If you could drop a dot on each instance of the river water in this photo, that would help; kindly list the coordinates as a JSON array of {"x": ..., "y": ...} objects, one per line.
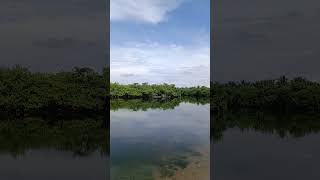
[
  {"x": 264, "y": 146},
  {"x": 154, "y": 140},
  {"x": 34, "y": 149}
]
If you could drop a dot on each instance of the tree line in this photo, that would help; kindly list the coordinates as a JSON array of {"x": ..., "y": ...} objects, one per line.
[
  {"x": 24, "y": 93},
  {"x": 160, "y": 91},
  {"x": 297, "y": 94},
  {"x": 86, "y": 90}
]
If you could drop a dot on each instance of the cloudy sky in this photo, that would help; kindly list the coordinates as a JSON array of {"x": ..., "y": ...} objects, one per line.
[
  {"x": 46, "y": 35},
  {"x": 160, "y": 41},
  {"x": 254, "y": 40},
  {"x": 165, "y": 39}
]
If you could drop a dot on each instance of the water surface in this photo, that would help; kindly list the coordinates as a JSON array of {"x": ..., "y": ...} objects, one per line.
[
  {"x": 57, "y": 150},
  {"x": 264, "y": 146},
  {"x": 159, "y": 140}
]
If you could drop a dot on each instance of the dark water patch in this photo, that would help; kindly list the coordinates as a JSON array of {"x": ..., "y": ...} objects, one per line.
[
  {"x": 81, "y": 137},
  {"x": 249, "y": 146},
  {"x": 33, "y": 148},
  {"x": 281, "y": 124}
]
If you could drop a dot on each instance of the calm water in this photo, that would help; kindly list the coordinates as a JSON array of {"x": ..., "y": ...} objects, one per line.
[
  {"x": 152, "y": 140},
  {"x": 250, "y": 146},
  {"x": 37, "y": 150}
]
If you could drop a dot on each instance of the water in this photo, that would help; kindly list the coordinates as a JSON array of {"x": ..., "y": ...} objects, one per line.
[
  {"x": 250, "y": 146},
  {"x": 159, "y": 140},
  {"x": 57, "y": 150}
]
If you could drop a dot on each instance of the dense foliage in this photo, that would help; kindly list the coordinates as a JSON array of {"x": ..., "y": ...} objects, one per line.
[
  {"x": 281, "y": 94},
  {"x": 85, "y": 90},
  {"x": 81, "y": 90},
  {"x": 148, "y": 91},
  {"x": 23, "y": 92}
]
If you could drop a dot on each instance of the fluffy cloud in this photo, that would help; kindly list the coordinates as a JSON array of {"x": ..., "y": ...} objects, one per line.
[
  {"x": 148, "y": 11},
  {"x": 160, "y": 63}
]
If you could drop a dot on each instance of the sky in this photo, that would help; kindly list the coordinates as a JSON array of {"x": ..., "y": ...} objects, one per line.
[
  {"x": 251, "y": 39},
  {"x": 160, "y": 41},
  {"x": 50, "y": 36},
  {"x": 263, "y": 39}
]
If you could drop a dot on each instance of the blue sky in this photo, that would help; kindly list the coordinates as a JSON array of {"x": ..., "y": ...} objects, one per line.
[{"x": 160, "y": 41}]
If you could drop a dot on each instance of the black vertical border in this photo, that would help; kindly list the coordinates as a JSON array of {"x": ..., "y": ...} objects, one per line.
[{"x": 211, "y": 81}]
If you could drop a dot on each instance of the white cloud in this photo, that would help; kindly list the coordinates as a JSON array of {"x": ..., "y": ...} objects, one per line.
[
  {"x": 148, "y": 11},
  {"x": 161, "y": 63}
]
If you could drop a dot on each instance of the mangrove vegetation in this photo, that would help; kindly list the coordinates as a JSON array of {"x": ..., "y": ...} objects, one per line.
[
  {"x": 86, "y": 91},
  {"x": 297, "y": 94},
  {"x": 23, "y": 93},
  {"x": 82, "y": 90},
  {"x": 156, "y": 91}
]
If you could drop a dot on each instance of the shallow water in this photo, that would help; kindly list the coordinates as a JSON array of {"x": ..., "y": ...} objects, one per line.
[
  {"x": 150, "y": 141},
  {"x": 273, "y": 147}
]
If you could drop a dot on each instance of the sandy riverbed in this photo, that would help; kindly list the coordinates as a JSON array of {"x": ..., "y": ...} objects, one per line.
[{"x": 198, "y": 168}]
